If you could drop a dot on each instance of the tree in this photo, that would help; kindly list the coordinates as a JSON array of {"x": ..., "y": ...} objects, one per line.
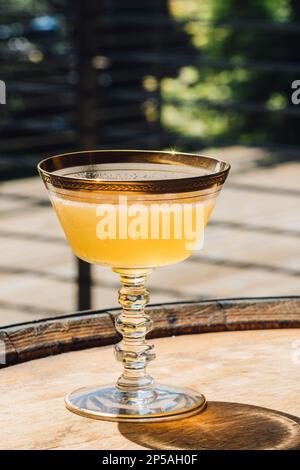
[{"x": 240, "y": 85}]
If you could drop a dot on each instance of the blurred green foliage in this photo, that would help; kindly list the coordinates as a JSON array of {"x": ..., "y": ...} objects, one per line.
[
  {"x": 235, "y": 90},
  {"x": 239, "y": 86}
]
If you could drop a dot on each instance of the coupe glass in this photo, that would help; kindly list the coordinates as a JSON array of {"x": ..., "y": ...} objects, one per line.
[{"x": 133, "y": 210}]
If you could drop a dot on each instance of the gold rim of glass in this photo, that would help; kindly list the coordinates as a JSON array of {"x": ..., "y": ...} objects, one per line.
[{"x": 217, "y": 171}]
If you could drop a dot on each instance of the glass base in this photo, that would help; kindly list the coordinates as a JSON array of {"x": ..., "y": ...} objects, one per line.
[{"x": 163, "y": 403}]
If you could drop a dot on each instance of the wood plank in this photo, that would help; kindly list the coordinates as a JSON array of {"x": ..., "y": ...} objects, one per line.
[
  {"x": 43, "y": 338},
  {"x": 244, "y": 411},
  {"x": 96, "y": 328}
]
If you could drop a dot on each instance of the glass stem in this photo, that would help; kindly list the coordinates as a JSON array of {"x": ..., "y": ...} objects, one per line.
[{"x": 133, "y": 324}]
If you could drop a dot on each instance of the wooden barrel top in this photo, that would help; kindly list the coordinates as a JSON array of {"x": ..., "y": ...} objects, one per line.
[{"x": 248, "y": 366}]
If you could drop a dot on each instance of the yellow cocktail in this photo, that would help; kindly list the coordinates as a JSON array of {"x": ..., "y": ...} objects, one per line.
[
  {"x": 130, "y": 234},
  {"x": 134, "y": 211}
]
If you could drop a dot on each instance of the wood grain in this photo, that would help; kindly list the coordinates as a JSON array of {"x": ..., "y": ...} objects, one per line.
[
  {"x": 250, "y": 378},
  {"x": 83, "y": 330}
]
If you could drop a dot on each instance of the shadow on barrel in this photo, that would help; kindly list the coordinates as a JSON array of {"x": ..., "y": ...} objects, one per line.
[{"x": 222, "y": 426}]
